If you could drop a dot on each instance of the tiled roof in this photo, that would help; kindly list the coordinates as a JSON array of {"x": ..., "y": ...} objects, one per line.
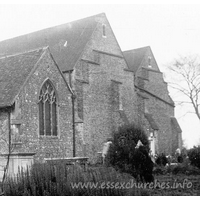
[
  {"x": 66, "y": 42},
  {"x": 175, "y": 125},
  {"x": 14, "y": 70},
  {"x": 151, "y": 121},
  {"x": 135, "y": 57}
]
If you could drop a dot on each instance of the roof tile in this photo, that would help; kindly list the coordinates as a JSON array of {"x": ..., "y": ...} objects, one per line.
[
  {"x": 66, "y": 41},
  {"x": 135, "y": 57},
  {"x": 14, "y": 70}
]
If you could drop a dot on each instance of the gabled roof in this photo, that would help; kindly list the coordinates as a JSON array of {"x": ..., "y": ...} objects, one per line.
[
  {"x": 175, "y": 125},
  {"x": 151, "y": 121},
  {"x": 66, "y": 42},
  {"x": 135, "y": 57},
  {"x": 14, "y": 71}
]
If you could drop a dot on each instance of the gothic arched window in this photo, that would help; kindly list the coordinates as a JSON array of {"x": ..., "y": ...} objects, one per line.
[{"x": 47, "y": 110}]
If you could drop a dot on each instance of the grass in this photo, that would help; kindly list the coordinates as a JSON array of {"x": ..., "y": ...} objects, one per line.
[
  {"x": 177, "y": 186},
  {"x": 45, "y": 180}
]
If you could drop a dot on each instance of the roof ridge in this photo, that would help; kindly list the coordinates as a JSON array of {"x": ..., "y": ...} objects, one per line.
[
  {"x": 137, "y": 49},
  {"x": 25, "y": 52},
  {"x": 78, "y": 20}
]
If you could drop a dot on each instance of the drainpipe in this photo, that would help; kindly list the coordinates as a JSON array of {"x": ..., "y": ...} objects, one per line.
[
  {"x": 73, "y": 125},
  {"x": 73, "y": 96},
  {"x": 73, "y": 115},
  {"x": 9, "y": 128}
]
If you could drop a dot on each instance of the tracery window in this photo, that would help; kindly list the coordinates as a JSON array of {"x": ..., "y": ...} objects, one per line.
[{"x": 47, "y": 110}]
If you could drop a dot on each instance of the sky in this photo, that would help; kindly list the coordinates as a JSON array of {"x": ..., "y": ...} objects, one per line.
[{"x": 169, "y": 29}]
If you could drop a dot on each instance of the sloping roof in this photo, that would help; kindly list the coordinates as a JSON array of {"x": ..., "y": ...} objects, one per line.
[
  {"x": 14, "y": 71},
  {"x": 66, "y": 42},
  {"x": 151, "y": 121},
  {"x": 135, "y": 57},
  {"x": 175, "y": 125}
]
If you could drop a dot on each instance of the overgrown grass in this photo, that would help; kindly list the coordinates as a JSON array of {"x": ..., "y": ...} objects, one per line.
[{"x": 46, "y": 180}]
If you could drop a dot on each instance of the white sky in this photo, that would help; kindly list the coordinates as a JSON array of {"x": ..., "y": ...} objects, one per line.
[{"x": 168, "y": 28}]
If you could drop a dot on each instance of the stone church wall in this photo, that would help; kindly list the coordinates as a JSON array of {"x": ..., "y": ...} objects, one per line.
[{"x": 28, "y": 112}]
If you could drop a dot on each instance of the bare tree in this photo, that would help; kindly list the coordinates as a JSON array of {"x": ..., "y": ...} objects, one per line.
[{"x": 185, "y": 79}]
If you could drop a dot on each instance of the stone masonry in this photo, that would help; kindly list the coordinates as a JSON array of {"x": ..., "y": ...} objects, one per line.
[
  {"x": 25, "y": 114},
  {"x": 108, "y": 91}
]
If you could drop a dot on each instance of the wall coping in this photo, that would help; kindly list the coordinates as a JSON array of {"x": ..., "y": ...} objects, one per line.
[
  {"x": 18, "y": 154},
  {"x": 67, "y": 159},
  {"x": 108, "y": 53}
]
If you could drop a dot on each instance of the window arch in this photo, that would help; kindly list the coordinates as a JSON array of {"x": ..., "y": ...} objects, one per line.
[{"x": 47, "y": 110}]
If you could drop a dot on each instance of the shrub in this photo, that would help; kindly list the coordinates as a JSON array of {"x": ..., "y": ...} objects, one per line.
[
  {"x": 161, "y": 160},
  {"x": 183, "y": 168},
  {"x": 124, "y": 156},
  {"x": 159, "y": 170},
  {"x": 194, "y": 156},
  {"x": 177, "y": 168},
  {"x": 180, "y": 159}
]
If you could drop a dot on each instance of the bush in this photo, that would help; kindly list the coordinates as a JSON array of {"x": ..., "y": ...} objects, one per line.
[
  {"x": 177, "y": 168},
  {"x": 194, "y": 156},
  {"x": 124, "y": 156},
  {"x": 159, "y": 170},
  {"x": 183, "y": 168},
  {"x": 161, "y": 160}
]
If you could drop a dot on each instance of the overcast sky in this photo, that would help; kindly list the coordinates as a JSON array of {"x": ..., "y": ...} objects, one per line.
[{"x": 169, "y": 29}]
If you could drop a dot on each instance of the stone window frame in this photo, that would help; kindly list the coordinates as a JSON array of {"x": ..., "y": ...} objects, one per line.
[{"x": 55, "y": 100}]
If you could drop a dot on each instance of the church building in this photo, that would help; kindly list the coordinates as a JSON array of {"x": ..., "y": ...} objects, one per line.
[{"x": 64, "y": 89}]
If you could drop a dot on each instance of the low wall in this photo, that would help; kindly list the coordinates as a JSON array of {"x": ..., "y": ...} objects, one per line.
[{"x": 16, "y": 161}]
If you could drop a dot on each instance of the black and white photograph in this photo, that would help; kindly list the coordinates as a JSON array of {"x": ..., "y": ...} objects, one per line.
[{"x": 99, "y": 98}]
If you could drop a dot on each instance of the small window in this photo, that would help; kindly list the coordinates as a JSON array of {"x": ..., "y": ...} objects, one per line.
[
  {"x": 65, "y": 44},
  {"x": 104, "y": 30},
  {"x": 116, "y": 95},
  {"x": 149, "y": 62},
  {"x": 15, "y": 130},
  {"x": 47, "y": 110}
]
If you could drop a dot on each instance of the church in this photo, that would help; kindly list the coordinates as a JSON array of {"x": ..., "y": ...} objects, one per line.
[{"x": 64, "y": 89}]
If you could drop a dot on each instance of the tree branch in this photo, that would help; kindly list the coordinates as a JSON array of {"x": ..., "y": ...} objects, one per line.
[{"x": 187, "y": 71}]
